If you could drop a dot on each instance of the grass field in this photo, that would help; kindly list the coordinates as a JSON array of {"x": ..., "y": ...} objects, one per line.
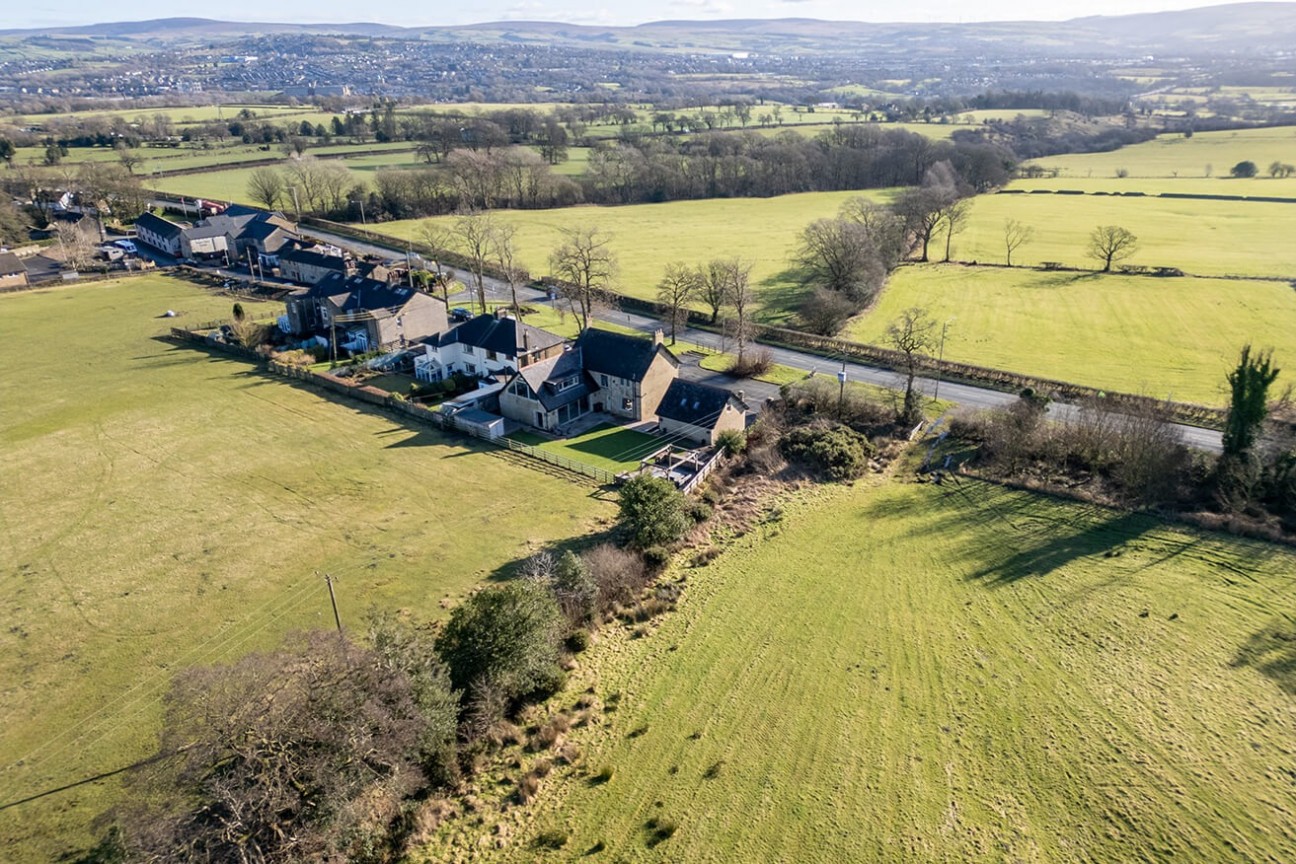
[
  {"x": 1209, "y": 238},
  {"x": 164, "y": 507},
  {"x": 921, "y": 673},
  {"x": 1167, "y": 337},
  {"x": 647, "y": 236},
  {"x": 1257, "y": 186},
  {"x": 1177, "y": 156}
]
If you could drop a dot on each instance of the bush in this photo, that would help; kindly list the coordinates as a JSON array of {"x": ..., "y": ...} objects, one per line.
[
  {"x": 577, "y": 641},
  {"x": 619, "y": 574},
  {"x": 656, "y": 557},
  {"x": 835, "y": 451},
  {"x": 732, "y": 442},
  {"x": 826, "y": 312},
  {"x": 552, "y": 838},
  {"x": 653, "y": 511},
  {"x": 753, "y": 364},
  {"x": 699, "y": 511},
  {"x": 574, "y": 588},
  {"x": 506, "y": 635}
]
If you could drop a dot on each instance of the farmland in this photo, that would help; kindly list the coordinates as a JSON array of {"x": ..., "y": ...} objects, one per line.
[
  {"x": 165, "y": 507},
  {"x": 647, "y": 236},
  {"x": 1171, "y": 337},
  {"x": 1208, "y": 238},
  {"x": 1176, "y": 156},
  {"x": 900, "y": 672}
]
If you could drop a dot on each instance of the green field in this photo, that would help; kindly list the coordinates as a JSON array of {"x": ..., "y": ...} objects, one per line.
[
  {"x": 165, "y": 507},
  {"x": 1169, "y": 338},
  {"x": 1209, "y": 238},
  {"x": 921, "y": 673},
  {"x": 1266, "y": 186},
  {"x": 647, "y": 236},
  {"x": 1177, "y": 156}
]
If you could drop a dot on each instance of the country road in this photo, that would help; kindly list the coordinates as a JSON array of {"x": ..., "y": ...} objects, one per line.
[{"x": 967, "y": 395}]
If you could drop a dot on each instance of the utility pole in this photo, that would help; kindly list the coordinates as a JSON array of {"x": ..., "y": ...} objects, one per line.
[
  {"x": 296, "y": 204},
  {"x": 328, "y": 580},
  {"x": 940, "y": 360},
  {"x": 362, "y": 216},
  {"x": 841, "y": 393}
]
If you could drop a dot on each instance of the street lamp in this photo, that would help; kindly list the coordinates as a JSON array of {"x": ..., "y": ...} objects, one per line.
[{"x": 841, "y": 395}]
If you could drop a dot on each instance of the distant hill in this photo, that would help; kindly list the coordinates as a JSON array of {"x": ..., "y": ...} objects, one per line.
[{"x": 1245, "y": 28}]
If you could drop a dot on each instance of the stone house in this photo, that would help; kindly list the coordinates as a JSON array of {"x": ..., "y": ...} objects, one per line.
[
  {"x": 309, "y": 266},
  {"x": 13, "y": 273},
  {"x": 700, "y": 412},
  {"x": 158, "y": 233},
  {"x": 360, "y": 315},
  {"x": 548, "y": 394},
  {"x": 630, "y": 373}
]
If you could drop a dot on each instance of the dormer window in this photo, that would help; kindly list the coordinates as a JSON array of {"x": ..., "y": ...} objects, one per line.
[{"x": 568, "y": 382}]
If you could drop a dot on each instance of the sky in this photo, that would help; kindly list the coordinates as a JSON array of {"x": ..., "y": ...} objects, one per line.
[{"x": 412, "y": 13}]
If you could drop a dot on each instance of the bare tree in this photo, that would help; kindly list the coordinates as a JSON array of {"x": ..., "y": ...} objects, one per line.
[
  {"x": 1111, "y": 243},
  {"x": 955, "y": 221},
  {"x": 679, "y": 285},
  {"x": 266, "y": 186},
  {"x": 586, "y": 264},
  {"x": 841, "y": 256},
  {"x": 1016, "y": 234},
  {"x": 714, "y": 291},
  {"x": 734, "y": 278},
  {"x": 912, "y": 334},
  {"x": 923, "y": 211},
  {"x": 76, "y": 245},
  {"x": 475, "y": 232},
  {"x": 505, "y": 251},
  {"x": 128, "y": 157}
]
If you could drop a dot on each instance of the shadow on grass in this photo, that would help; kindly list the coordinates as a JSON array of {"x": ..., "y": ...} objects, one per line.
[
  {"x": 1272, "y": 653},
  {"x": 1040, "y": 556},
  {"x": 624, "y": 446},
  {"x": 1053, "y": 281},
  {"x": 782, "y": 295}
]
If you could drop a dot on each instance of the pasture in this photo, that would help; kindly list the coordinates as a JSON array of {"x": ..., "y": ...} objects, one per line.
[
  {"x": 920, "y": 673},
  {"x": 1205, "y": 154},
  {"x": 166, "y": 507},
  {"x": 1203, "y": 237},
  {"x": 1167, "y": 337},
  {"x": 647, "y": 236}
]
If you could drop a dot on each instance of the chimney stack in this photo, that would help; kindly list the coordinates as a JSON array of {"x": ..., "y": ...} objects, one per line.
[{"x": 658, "y": 336}]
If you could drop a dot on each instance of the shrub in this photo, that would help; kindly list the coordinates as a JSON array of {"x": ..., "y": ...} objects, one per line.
[
  {"x": 603, "y": 775},
  {"x": 732, "y": 442},
  {"x": 653, "y": 511},
  {"x": 835, "y": 451},
  {"x": 552, "y": 838},
  {"x": 507, "y": 635},
  {"x": 699, "y": 511},
  {"x": 753, "y": 364},
  {"x": 656, "y": 557},
  {"x": 577, "y": 641},
  {"x": 619, "y": 574},
  {"x": 826, "y": 312}
]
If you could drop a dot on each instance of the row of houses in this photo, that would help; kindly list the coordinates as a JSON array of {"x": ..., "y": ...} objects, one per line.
[{"x": 529, "y": 375}]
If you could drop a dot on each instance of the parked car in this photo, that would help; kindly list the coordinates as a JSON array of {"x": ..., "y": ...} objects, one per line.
[
  {"x": 110, "y": 253},
  {"x": 127, "y": 246},
  {"x": 461, "y": 313}
]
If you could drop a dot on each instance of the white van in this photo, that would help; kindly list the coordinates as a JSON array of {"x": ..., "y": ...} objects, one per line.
[{"x": 127, "y": 246}]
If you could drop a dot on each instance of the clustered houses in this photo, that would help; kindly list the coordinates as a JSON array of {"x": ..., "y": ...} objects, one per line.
[
  {"x": 359, "y": 314},
  {"x": 485, "y": 346},
  {"x": 240, "y": 233}
]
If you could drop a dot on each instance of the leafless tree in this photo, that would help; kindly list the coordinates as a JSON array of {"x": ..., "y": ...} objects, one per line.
[
  {"x": 956, "y": 215},
  {"x": 127, "y": 157},
  {"x": 679, "y": 285},
  {"x": 77, "y": 245},
  {"x": 841, "y": 256},
  {"x": 714, "y": 290},
  {"x": 474, "y": 232},
  {"x": 735, "y": 274},
  {"x": 913, "y": 334},
  {"x": 1111, "y": 243},
  {"x": 1016, "y": 234},
  {"x": 504, "y": 248},
  {"x": 587, "y": 266},
  {"x": 266, "y": 187}
]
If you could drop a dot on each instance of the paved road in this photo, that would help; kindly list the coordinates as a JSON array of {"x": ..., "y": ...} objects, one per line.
[{"x": 963, "y": 394}]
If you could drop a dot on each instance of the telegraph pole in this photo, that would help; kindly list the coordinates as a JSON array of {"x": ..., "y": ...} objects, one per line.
[{"x": 328, "y": 580}]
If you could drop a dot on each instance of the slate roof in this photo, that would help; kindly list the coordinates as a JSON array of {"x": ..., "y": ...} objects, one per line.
[
  {"x": 694, "y": 403},
  {"x": 158, "y": 225},
  {"x": 11, "y": 264},
  {"x": 543, "y": 378},
  {"x": 208, "y": 229},
  {"x": 501, "y": 335},
  {"x": 617, "y": 354},
  {"x": 360, "y": 294},
  {"x": 315, "y": 259}
]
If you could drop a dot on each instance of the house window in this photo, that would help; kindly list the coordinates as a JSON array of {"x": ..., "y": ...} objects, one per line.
[
  {"x": 472, "y": 370},
  {"x": 602, "y": 380},
  {"x": 627, "y": 404},
  {"x": 520, "y": 388},
  {"x": 568, "y": 383},
  {"x": 490, "y": 355}
]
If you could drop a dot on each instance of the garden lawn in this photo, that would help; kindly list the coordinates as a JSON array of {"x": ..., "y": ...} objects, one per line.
[
  {"x": 165, "y": 507},
  {"x": 646, "y": 237},
  {"x": 1169, "y": 338},
  {"x": 612, "y": 448},
  {"x": 919, "y": 673}
]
